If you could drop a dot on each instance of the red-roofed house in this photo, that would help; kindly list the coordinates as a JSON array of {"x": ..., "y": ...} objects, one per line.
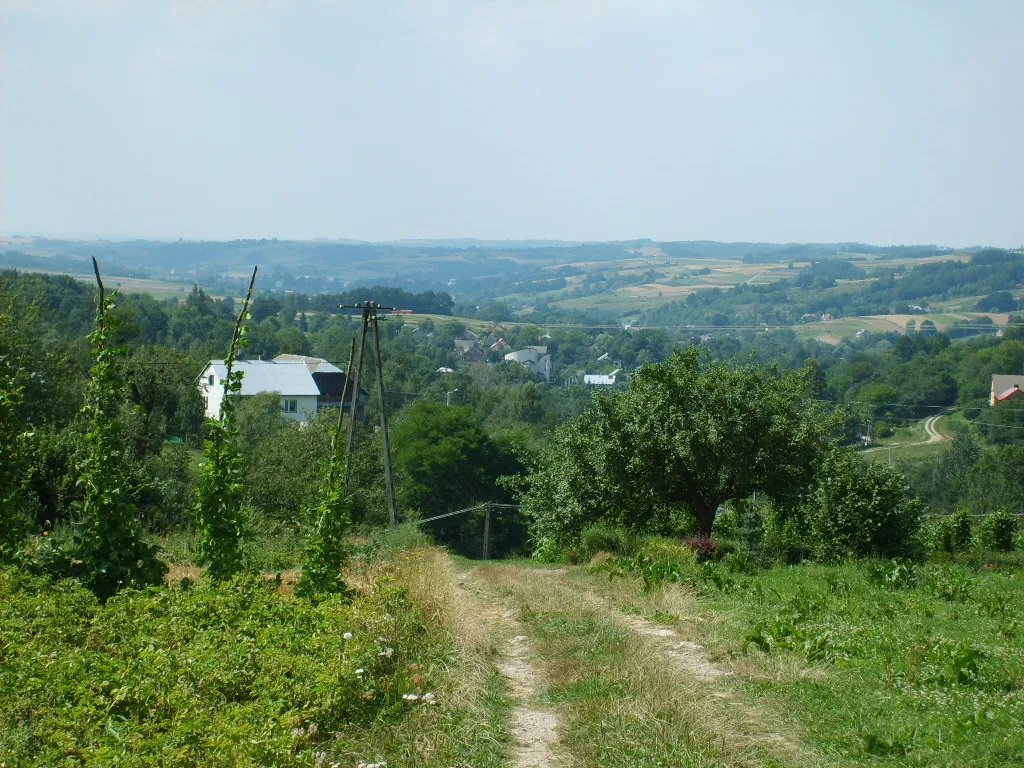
[{"x": 1006, "y": 387}]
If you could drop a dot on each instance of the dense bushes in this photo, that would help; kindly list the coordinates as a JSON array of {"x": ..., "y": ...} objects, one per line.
[
  {"x": 998, "y": 531},
  {"x": 214, "y": 674},
  {"x": 860, "y": 508}
]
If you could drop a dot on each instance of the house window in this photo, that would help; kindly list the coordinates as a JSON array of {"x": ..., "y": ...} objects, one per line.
[
  {"x": 210, "y": 379},
  {"x": 290, "y": 406}
]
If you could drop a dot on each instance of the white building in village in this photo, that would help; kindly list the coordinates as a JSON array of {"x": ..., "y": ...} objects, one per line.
[
  {"x": 535, "y": 359},
  {"x": 601, "y": 379},
  {"x": 305, "y": 384}
]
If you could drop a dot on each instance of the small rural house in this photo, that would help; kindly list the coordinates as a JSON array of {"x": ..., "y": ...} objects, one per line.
[
  {"x": 1006, "y": 387},
  {"x": 306, "y": 385},
  {"x": 534, "y": 359},
  {"x": 600, "y": 379}
]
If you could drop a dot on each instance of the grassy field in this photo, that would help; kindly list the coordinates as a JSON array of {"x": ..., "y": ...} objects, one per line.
[
  {"x": 872, "y": 664},
  {"x": 159, "y": 289},
  {"x": 913, "y": 442},
  {"x": 832, "y": 331}
]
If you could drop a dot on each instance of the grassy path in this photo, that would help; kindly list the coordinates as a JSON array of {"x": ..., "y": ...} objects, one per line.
[
  {"x": 618, "y": 689},
  {"x": 533, "y": 725}
]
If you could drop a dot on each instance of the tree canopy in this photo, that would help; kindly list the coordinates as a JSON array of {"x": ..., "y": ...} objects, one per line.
[{"x": 687, "y": 435}]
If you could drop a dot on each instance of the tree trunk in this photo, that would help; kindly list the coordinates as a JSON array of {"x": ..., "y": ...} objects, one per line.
[{"x": 705, "y": 516}]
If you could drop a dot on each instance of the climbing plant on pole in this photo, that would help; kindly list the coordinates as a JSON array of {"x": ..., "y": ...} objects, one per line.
[
  {"x": 107, "y": 552},
  {"x": 221, "y": 497},
  {"x": 329, "y": 519}
]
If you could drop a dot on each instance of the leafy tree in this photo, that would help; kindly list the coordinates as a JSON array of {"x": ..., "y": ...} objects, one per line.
[
  {"x": 860, "y": 508},
  {"x": 1000, "y": 301},
  {"x": 444, "y": 461},
  {"x": 954, "y": 467},
  {"x": 282, "y": 468},
  {"x": 162, "y": 385},
  {"x": 688, "y": 434},
  {"x": 997, "y": 481}
]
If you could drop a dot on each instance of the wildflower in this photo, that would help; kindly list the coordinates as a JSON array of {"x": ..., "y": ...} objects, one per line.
[
  {"x": 411, "y": 696},
  {"x": 429, "y": 698},
  {"x": 387, "y": 652},
  {"x": 347, "y": 635},
  {"x": 360, "y": 671}
]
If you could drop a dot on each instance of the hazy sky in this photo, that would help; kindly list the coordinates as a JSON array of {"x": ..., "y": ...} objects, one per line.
[{"x": 884, "y": 122}]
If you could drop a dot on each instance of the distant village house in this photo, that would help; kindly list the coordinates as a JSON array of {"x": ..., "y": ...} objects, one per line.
[
  {"x": 306, "y": 385},
  {"x": 601, "y": 379},
  {"x": 534, "y": 359},
  {"x": 1006, "y": 387}
]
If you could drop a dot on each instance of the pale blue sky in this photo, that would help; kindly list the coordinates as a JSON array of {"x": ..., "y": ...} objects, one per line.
[{"x": 885, "y": 122}]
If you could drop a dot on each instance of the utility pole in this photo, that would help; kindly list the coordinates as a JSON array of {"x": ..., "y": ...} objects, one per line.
[
  {"x": 368, "y": 311},
  {"x": 353, "y": 376},
  {"x": 388, "y": 478},
  {"x": 448, "y": 397}
]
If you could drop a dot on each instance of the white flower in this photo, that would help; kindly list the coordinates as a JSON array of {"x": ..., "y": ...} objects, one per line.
[
  {"x": 387, "y": 652},
  {"x": 429, "y": 698},
  {"x": 347, "y": 635},
  {"x": 360, "y": 671},
  {"x": 410, "y": 696}
]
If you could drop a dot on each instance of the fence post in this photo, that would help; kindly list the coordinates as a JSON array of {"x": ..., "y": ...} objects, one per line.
[{"x": 487, "y": 529}]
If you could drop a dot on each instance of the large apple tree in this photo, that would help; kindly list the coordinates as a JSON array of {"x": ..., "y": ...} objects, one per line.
[{"x": 688, "y": 434}]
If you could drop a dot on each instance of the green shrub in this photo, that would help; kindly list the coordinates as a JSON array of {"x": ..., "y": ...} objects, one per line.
[
  {"x": 860, "y": 508},
  {"x": 727, "y": 525},
  {"x": 602, "y": 537},
  {"x": 998, "y": 531},
  {"x": 407, "y": 535},
  {"x": 956, "y": 535},
  {"x": 786, "y": 534},
  {"x": 667, "y": 550}
]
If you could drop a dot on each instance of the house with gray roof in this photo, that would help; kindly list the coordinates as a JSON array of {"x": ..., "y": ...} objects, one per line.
[{"x": 306, "y": 385}]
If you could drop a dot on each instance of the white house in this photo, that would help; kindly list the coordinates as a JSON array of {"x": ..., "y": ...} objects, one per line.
[
  {"x": 600, "y": 379},
  {"x": 292, "y": 379},
  {"x": 535, "y": 359}
]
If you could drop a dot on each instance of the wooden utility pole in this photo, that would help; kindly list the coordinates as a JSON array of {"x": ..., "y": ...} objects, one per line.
[
  {"x": 353, "y": 376},
  {"x": 386, "y": 444},
  {"x": 369, "y": 323}
]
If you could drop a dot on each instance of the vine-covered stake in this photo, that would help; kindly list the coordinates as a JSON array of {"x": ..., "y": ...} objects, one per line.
[
  {"x": 330, "y": 517},
  {"x": 107, "y": 551},
  {"x": 219, "y": 508}
]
